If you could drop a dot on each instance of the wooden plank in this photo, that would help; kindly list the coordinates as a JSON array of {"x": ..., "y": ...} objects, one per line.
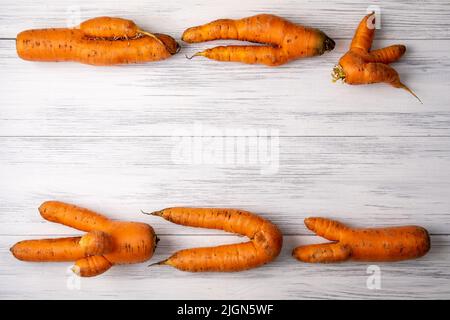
[
  {"x": 365, "y": 181},
  {"x": 118, "y": 140},
  {"x": 286, "y": 278},
  {"x": 51, "y": 99},
  {"x": 403, "y": 19}
]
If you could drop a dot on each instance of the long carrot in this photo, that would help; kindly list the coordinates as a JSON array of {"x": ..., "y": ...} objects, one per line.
[
  {"x": 375, "y": 244},
  {"x": 264, "y": 245},
  {"x": 282, "y": 40},
  {"x": 63, "y": 249},
  {"x": 361, "y": 65},
  {"x": 107, "y": 242},
  {"x": 98, "y": 41}
]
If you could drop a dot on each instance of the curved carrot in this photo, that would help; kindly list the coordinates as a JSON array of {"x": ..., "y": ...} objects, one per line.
[
  {"x": 360, "y": 65},
  {"x": 374, "y": 244},
  {"x": 264, "y": 245},
  {"x": 73, "y": 216},
  {"x": 283, "y": 41},
  {"x": 117, "y": 242}
]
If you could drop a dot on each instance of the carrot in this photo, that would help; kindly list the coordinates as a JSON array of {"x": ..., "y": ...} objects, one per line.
[
  {"x": 98, "y": 41},
  {"x": 374, "y": 244},
  {"x": 107, "y": 242},
  {"x": 361, "y": 65},
  {"x": 264, "y": 245},
  {"x": 64, "y": 249},
  {"x": 282, "y": 40},
  {"x": 91, "y": 266},
  {"x": 109, "y": 27}
]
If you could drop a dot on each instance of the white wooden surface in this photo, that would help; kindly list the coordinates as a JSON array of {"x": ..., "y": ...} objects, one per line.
[{"x": 109, "y": 139}]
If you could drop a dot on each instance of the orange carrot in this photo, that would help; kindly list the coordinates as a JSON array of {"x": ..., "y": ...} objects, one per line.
[
  {"x": 109, "y": 27},
  {"x": 98, "y": 41},
  {"x": 361, "y": 65},
  {"x": 264, "y": 245},
  {"x": 107, "y": 243},
  {"x": 376, "y": 244},
  {"x": 282, "y": 40},
  {"x": 91, "y": 266}
]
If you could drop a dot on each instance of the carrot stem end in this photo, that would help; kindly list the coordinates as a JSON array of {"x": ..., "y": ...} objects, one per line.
[{"x": 338, "y": 73}]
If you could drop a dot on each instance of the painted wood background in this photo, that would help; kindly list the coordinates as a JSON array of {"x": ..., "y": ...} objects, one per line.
[{"x": 283, "y": 142}]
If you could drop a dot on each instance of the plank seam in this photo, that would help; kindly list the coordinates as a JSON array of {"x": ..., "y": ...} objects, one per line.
[{"x": 230, "y": 136}]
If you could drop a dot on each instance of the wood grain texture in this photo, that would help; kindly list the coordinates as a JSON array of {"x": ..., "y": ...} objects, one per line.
[
  {"x": 402, "y": 19},
  {"x": 368, "y": 180},
  {"x": 121, "y": 139},
  {"x": 285, "y": 278},
  {"x": 168, "y": 98}
]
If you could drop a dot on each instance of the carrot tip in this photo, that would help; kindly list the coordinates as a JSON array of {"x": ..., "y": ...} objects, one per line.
[
  {"x": 159, "y": 263},
  {"x": 178, "y": 49},
  {"x": 410, "y": 91},
  {"x": 197, "y": 54},
  {"x": 158, "y": 213}
]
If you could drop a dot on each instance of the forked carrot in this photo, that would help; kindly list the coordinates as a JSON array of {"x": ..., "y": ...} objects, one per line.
[
  {"x": 361, "y": 65},
  {"x": 107, "y": 242},
  {"x": 281, "y": 40},
  {"x": 98, "y": 41},
  {"x": 374, "y": 244}
]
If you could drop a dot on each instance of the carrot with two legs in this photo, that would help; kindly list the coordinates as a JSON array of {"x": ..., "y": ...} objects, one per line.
[
  {"x": 361, "y": 65},
  {"x": 106, "y": 243}
]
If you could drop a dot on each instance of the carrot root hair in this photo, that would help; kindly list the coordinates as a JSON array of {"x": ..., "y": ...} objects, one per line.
[
  {"x": 401, "y": 85},
  {"x": 197, "y": 54},
  {"x": 151, "y": 35},
  {"x": 158, "y": 213},
  {"x": 159, "y": 263}
]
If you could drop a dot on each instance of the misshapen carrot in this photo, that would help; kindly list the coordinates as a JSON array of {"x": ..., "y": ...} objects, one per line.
[
  {"x": 283, "y": 41},
  {"x": 264, "y": 245},
  {"x": 98, "y": 41},
  {"x": 361, "y": 65},
  {"x": 375, "y": 244},
  {"x": 107, "y": 242}
]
